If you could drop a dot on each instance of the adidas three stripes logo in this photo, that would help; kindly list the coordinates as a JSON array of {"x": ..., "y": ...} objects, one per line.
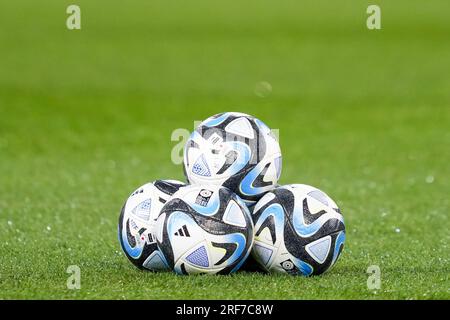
[{"x": 183, "y": 232}]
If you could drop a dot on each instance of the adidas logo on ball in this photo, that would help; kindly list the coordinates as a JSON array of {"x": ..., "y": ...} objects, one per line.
[{"x": 183, "y": 232}]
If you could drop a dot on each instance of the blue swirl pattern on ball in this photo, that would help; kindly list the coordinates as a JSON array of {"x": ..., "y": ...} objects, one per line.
[
  {"x": 205, "y": 229},
  {"x": 234, "y": 150},
  {"x": 299, "y": 230},
  {"x": 137, "y": 221}
]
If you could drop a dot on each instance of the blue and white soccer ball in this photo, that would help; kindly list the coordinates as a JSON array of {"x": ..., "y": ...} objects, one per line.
[
  {"x": 299, "y": 230},
  {"x": 234, "y": 150},
  {"x": 137, "y": 221},
  {"x": 205, "y": 229}
]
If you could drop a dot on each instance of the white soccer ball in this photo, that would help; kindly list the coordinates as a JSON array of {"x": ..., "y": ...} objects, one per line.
[
  {"x": 205, "y": 229},
  {"x": 137, "y": 222},
  {"x": 299, "y": 230},
  {"x": 234, "y": 150}
]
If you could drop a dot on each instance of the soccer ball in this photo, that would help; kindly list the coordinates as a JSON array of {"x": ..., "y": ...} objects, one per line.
[
  {"x": 137, "y": 221},
  {"x": 234, "y": 150},
  {"x": 204, "y": 229},
  {"x": 299, "y": 230}
]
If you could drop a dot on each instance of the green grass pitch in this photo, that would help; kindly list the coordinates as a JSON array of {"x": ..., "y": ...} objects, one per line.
[{"x": 87, "y": 115}]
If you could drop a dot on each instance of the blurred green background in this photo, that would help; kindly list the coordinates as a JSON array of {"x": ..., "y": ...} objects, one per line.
[{"x": 86, "y": 116}]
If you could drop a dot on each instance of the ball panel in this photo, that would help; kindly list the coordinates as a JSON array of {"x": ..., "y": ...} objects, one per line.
[
  {"x": 219, "y": 226},
  {"x": 137, "y": 223},
  {"x": 309, "y": 232},
  {"x": 183, "y": 233},
  {"x": 240, "y": 127},
  {"x": 131, "y": 242}
]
